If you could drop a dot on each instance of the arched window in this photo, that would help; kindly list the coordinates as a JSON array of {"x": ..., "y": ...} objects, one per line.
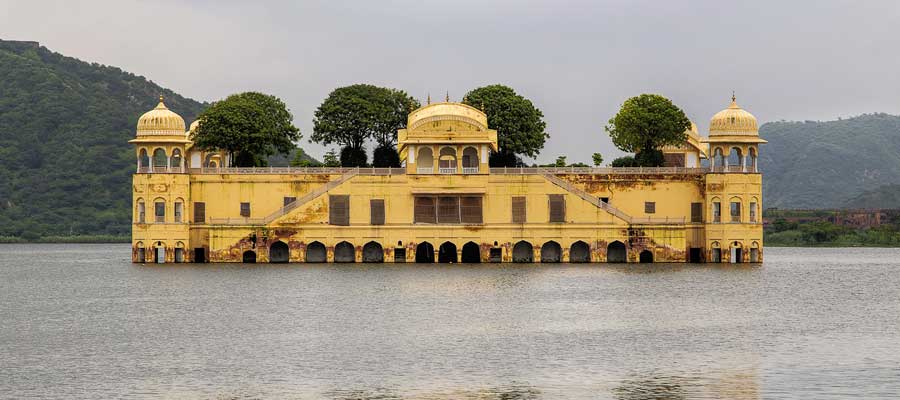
[
  {"x": 751, "y": 160},
  {"x": 470, "y": 160},
  {"x": 735, "y": 209},
  {"x": 734, "y": 159},
  {"x": 447, "y": 160},
  {"x": 160, "y": 160},
  {"x": 159, "y": 210},
  {"x": 178, "y": 211},
  {"x": 143, "y": 161},
  {"x": 718, "y": 158},
  {"x": 141, "y": 252},
  {"x": 179, "y": 252},
  {"x": 176, "y": 160},
  {"x": 141, "y": 212},
  {"x": 425, "y": 161},
  {"x": 716, "y": 255},
  {"x": 716, "y": 210},
  {"x": 753, "y": 209},
  {"x": 754, "y": 252}
]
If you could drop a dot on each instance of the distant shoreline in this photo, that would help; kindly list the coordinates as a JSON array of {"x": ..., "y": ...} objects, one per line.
[{"x": 85, "y": 239}]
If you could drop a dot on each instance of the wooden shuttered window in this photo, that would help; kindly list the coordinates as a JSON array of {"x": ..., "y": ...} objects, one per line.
[
  {"x": 518, "y": 209},
  {"x": 557, "y": 208},
  {"x": 245, "y": 210},
  {"x": 199, "y": 212},
  {"x": 376, "y": 210},
  {"x": 339, "y": 210},
  {"x": 425, "y": 212},
  {"x": 696, "y": 212},
  {"x": 470, "y": 209},
  {"x": 650, "y": 207},
  {"x": 448, "y": 210}
]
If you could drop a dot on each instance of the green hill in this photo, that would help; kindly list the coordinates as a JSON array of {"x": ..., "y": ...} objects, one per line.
[
  {"x": 887, "y": 196},
  {"x": 826, "y": 164},
  {"x": 65, "y": 161}
]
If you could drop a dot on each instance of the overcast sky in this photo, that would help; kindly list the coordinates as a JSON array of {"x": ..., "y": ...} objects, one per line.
[{"x": 576, "y": 60}]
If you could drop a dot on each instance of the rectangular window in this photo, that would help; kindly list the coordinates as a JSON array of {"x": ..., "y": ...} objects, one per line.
[
  {"x": 696, "y": 212},
  {"x": 289, "y": 200},
  {"x": 752, "y": 211},
  {"x": 142, "y": 213},
  {"x": 160, "y": 211},
  {"x": 376, "y": 211},
  {"x": 650, "y": 207},
  {"x": 735, "y": 211},
  {"x": 179, "y": 211},
  {"x": 557, "y": 208},
  {"x": 518, "y": 209},
  {"x": 717, "y": 211},
  {"x": 199, "y": 212},
  {"x": 245, "y": 210},
  {"x": 470, "y": 209},
  {"x": 448, "y": 210},
  {"x": 425, "y": 212},
  {"x": 339, "y": 210},
  {"x": 605, "y": 199}
]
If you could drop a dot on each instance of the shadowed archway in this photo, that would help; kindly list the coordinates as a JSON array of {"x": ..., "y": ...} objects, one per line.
[
  {"x": 551, "y": 252},
  {"x": 523, "y": 252},
  {"x": 373, "y": 253},
  {"x": 249, "y": 257},
  {"x": 471, "y": 253},
  {"x": 424, "y": 253},
  {"x": 279, "y": 252},
  {"x": 646, "y": 256},
  {"x": 344, "y": 252},
  {"x": 580, "y": 252},
  {"x": 316, "y": 253},
  {"x": 447, "y": 253},
  {"x": 616, "y": 252}
]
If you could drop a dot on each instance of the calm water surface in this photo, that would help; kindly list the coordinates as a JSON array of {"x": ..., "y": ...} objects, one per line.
[{"x": 81, "y": 321}]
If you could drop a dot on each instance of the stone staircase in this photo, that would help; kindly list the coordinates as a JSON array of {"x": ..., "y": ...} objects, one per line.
[
  {"x": 550, "y": 176},
  {"x": 310, "y": 196}
]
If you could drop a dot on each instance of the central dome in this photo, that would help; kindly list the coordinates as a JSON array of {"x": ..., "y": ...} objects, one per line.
[
  {"x": 447, "y": 111},
  {"x": 733, "y": 120},
  {"x": 160, "y": 121}
]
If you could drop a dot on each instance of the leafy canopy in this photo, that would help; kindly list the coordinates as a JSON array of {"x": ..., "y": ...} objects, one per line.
[
  {"x": 249, "y": 126},
  {"x": 351, "y": 115},
  {"x": 520, "y": 125},
  {"x": 648, "y": 122}
]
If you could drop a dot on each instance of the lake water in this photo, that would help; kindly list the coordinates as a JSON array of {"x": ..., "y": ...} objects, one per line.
[{"x": 81, "y": 321}]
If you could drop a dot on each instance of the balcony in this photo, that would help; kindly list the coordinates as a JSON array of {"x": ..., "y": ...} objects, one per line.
[
  {"x": 447, "y": 170},
  {"x": 470, "y": 170}
]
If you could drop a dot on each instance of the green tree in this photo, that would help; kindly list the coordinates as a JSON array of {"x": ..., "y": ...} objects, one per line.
[
  {"x": 331, "y": 159},
  {"x": 646, "y": 123},
  {"x": 598, "y": 159},
  {"x": 250, "y": 126},
  {"x": 560, "y": 161},
  {"x": 520, "y": 125},
  {"x": 351, "y": 115}
]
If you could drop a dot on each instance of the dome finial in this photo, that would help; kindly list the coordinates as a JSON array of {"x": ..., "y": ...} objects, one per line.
[
  {"x": 447, "y": 99},
  {"x": 429, "y": 99},
  {"x": 733, "y": 98}
]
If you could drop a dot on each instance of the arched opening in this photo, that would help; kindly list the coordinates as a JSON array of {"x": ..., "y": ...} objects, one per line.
[
  {"x": 737, "y": 252},
  {"x": 425, "y": 160},
  {"x": 734, "y": 209},
  {"x": 447, "y": 160},
  {"x": 249, "y": 257},
  {"x": 718, "y": 158},
  {"x": 470, "y": 160},
  {"x": 523, "y": 252},
  {"x": 141, "y": 252},
  {"x": 176, "y": 159},
  {"x": 646, "y": 256},
  {"x": 279, "y": 252},
  {"x": 179, "y": 252},
  {"x": 754, "y": 252},
  {"x": 735, "y": 160},
  {"x": 316, "y": 253},
  {"x": 471, "y": 253},
  {"x": 141, "y": 212},
  {"x": 159, "y": 210},
  {"x": 447, "y": 253},
  {"x": 159, "y": 253},
  {"x": 424, "y": 253},
  {"x": 160, "y": 160},
  {"x": 716, "y": 251},
  {"x": 344, "y": 252},
  {"x": 551, "y": 252},
  {"x": 580, "y": 252},
  {"x": 751, "y": 160},
  {"x": 143, "y": 161},
  {"x": 373, "y": 253},
  {"x": 616, "y": 252}
]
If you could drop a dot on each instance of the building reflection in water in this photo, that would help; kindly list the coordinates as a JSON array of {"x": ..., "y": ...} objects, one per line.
[
  {"x": 735, "y": 386},
  {"x": 514, "y": 392}
]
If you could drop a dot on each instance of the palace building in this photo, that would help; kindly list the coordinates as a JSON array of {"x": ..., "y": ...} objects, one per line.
[{"x": 446, "y": 204}]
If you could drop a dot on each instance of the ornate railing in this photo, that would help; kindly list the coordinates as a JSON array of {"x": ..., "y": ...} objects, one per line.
[
  {"x": 450, "y": 170},
  {"x": 425, "y": 170},
  {"x": 298, "y": 171},
  {"x": 470, "y": 170},
  {"x": 599, "y": 170},
  {"x": 160, "y": 170}
]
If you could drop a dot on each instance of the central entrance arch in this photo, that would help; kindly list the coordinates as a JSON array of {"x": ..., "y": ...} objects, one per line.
[
  {"x": 471, "y": 253},
  {"x": 616, "y": 252},
  {"x": 316, "y": 253},
  {"x": 447, "y": 253},
  {"x": 279, "y": 252},
  {"x": 523, "y": 252},
  {"x": 424, "y": 253},
  {"x": 551, "y": 252},
  {"x": 344, "y": 252}
]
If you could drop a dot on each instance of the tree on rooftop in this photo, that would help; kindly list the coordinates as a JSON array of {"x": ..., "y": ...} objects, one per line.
[
  {"x": 520, "y": 125},
  {"x": 249, "y": 126},
  {"x": 351, "y": 115},
  {"x": 645, "y": 124}
]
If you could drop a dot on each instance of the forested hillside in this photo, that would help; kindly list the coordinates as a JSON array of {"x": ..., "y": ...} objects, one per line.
[
  {"x": 826, "y": 164},
  {"x": 65, "y": 160}
]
